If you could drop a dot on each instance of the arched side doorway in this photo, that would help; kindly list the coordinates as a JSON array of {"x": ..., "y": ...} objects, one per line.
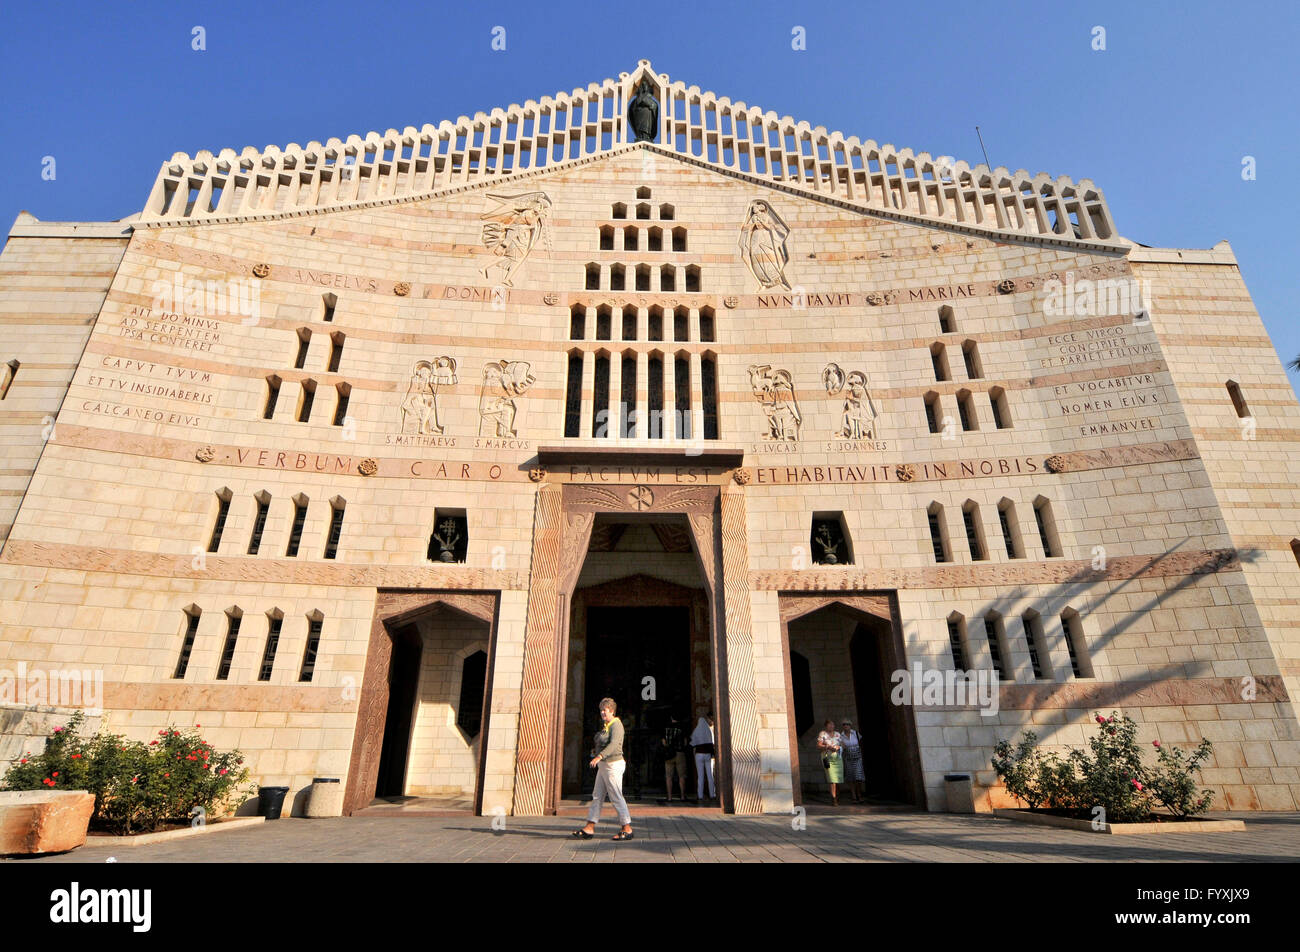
[
  {"x": 423, "y": 708},
  {"x": 840, "y": 652}
]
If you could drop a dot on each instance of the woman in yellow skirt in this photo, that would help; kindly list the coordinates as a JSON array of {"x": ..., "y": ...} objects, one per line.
[{"x": 829, "y": 743}]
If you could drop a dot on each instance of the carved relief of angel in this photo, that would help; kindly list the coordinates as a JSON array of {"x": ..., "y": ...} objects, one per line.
[
  {"x": 502, "y": 382},
  {"x": 774, "y": 390},
  {"x": 511, "y": 230},
  {"x": 763, "y": 245}
]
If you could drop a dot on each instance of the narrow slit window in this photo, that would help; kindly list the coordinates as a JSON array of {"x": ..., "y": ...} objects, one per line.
[
  {"x": 629, "y": 323},
  {"x": 994, "y": 636},
  {"x": 11, "y": 371},
  {"x": 600, "y": 414},
  {"x": 577, "y": 322},
  {"x": 233, "y": 621},
  {"x": 336, "y": 352},
  {"x": 295, "y": 533},
  {"x": 304, "y": 342},
  {"x": 1238, "y": 401},
  {"x": 187, "y": 644},
  {"x": 1005, "y": 515},
  {"x": 1000, "y": 408},
  {"x": 946, "y": 321},
  {"x": 655, "y": 325},
  {"x": 970, "y": 519},
  {"x": 617, "y": 277},
  {"x": 604, "y": 323},
  {"x": 314, "y": 626},
  {"x": 939, "y": 361},
  {"x": 970, "y": 356},
  {"x": 709, "y": 394},
  {"x": 655, "y": 396},
  {"x": 341, "y": 407},
  {"x": 573, "y": 397},
  {"x": 330, "y": 302},
  {"x": 627, "y": 421},
  {"x": 932, "y": 412},
  {"x": 937, "y": 542},
  {"x": 272, "y": 396},
  {"x": 707, "y": 328},
  {"x": 955, "y": 643},
  {"x": 1046, "y": 528},
  {"x": 308, "y": 398},
  {"x": 692, "y": 278},
  {"x": 966, "y": 411},
  {"x": 682, "y": 380},
  {"x": 593, "y": 277},
  {"x": 1034, "y": 641},
  {"x": 1074, "y": 644},
  {"x": 272, "y": 643},
  {"x": 259, "y": 524},
  {"x": 681, "y": 324},
  {"x": 219, "y": 526},
  {"x": 335, "y": 531}
]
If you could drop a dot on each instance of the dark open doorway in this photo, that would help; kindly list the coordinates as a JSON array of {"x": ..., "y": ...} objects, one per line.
[
  {"x": 625, "y": 647},
  {"x": 403, "y": 685}
]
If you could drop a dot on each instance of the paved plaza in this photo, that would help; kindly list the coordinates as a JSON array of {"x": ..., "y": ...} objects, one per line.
[{"x": 713, "y": 838}]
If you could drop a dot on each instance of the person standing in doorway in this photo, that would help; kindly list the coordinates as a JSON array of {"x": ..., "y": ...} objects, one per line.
[
  {"x": 674, "y": 751},
  {"x": 853, "y": 761},
  {"x": 830, "y": 743},
  {"x": 702, "y": 744},
  {"x": 607, "y": 758}
]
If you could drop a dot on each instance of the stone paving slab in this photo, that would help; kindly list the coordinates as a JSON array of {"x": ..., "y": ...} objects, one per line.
[{"x": 894, "y": 837}]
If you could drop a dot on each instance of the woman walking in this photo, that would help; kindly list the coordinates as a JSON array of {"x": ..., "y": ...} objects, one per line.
[
  {"x": 853, "y": 760},
  {"x": 830, "y": 743},
  {"x": 607, "y": 758},
  {"x": 702, "y": 742}
]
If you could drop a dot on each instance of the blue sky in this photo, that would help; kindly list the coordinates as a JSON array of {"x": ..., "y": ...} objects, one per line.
[{"x": 1160, "y": 120}]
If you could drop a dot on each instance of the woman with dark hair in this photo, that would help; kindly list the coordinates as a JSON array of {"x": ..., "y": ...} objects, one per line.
[{"x": 607, "y": 758}]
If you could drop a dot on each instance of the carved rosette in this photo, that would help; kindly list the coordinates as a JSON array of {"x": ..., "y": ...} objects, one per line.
[
  {"x": 1056, "y": 463},
  {"x": 205, "y": 454},
  {"x": 261, "y": 270},
  {"x": 402, "y": 288},
  {"x": 742, "y": 476},
  {"x": 731, "y": 301},
  {"x": 550, "y": 297},
  {"x": 905, "y": 472},
  {"x": 368, "y": 466},
  {"x": 537, "y": 474},
  {"x": 875, "y": 299},
  {"x": 1006, "y": 286}
]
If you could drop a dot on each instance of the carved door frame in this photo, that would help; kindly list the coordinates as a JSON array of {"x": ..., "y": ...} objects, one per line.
[
  {"x": 869, "y": 606},
  {"x": 393, "y": 607},
  {"x": 563, "y": 520}
]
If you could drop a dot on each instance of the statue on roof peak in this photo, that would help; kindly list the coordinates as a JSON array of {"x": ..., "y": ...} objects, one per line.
[{"x": 643, "y": 113}]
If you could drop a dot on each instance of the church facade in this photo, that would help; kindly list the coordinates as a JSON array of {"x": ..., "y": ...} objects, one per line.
[{"x": 386, "y": 458}]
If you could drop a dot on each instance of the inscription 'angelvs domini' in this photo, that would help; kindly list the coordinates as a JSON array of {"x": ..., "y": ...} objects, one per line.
[{"x": 497, "y": 415}]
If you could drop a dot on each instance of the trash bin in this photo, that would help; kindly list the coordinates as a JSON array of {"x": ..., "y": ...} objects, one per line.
[
  {"x": 270, "y": 801},
  {"x": 325, "y": 798},
  {"x": 961, "y": 793}
]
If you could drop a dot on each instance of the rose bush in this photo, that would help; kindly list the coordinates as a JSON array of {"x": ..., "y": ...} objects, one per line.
[
  {"x": 1110, "y": 774},
  {"x": 138, "y": 786}
]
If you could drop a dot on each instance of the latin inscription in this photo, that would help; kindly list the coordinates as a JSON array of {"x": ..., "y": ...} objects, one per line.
[
  {"x": 636, "y": 474},
  {"x": 333, "y": 279},
  {"x": 844, "y": 473},
  {"x": 1094, "y": 345},
  {"x": 178, "y": 331}
]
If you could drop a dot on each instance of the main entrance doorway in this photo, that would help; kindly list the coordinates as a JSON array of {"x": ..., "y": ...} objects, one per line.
[
  {"x": 641, "y": 639},
  {"x": 640, "y": 657}
]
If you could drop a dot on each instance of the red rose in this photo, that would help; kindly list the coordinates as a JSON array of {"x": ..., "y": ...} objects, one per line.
[
  {"x": 166, "y": 775},
  {"x": 152, "y": 743},
  {"x": 55, "y": 774},
  {"x": 1156, "y": 742},
  {"x": 76, "y": 756}
]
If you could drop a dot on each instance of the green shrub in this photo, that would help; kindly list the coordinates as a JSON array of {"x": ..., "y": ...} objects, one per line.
[
  {"x": 138, "y": 787},
  {"x": 1109, "y": 774}
]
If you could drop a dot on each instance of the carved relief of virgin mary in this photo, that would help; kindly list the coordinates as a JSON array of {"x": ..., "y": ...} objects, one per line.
[{"x": 763, "y": 245}]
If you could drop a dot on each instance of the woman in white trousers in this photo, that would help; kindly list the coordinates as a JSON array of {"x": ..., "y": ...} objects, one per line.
[
  {"x": 702, "y": 742},
  {"x": 607, "y": 758}
]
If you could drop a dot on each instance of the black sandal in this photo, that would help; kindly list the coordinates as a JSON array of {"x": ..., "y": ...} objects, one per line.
[
  {"x": 620, "y": 835},
  {"x": 583, "y": 834}
]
